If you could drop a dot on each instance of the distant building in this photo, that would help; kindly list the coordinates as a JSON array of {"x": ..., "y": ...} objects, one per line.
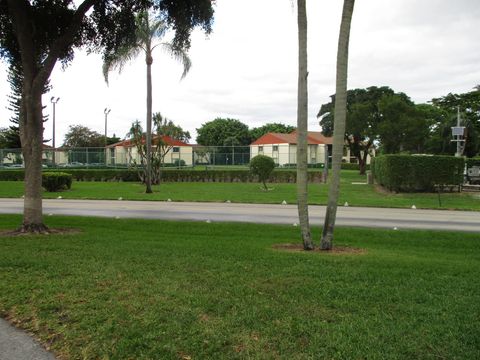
[
  {"x": 125, "y": 152},
  {"x": 283, "y": 147}
]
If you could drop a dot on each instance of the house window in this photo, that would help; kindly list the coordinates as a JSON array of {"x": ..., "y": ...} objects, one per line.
[
  {"x": 176, "y": 149},
  {"x": 260, "y": 149},
  {"x": 275, "y": 147}
]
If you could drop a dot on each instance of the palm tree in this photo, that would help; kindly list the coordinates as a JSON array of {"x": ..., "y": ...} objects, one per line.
[
  {"x": 302, "y": 128},
  {"x": 339, "y": 124},
  {"x": 148, "y": 30}
]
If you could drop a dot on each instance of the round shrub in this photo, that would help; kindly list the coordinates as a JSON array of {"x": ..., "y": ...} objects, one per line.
[
  {"x": 56, "y": 181},
  {"x": 262, "y": 166}
]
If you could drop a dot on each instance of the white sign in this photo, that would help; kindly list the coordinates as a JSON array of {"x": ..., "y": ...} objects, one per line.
[{"x": 458, "y": 130}]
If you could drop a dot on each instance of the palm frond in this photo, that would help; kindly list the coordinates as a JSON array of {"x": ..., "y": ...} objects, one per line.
[
  {"x": 179, "y": 55},
  {"x": 117, "y": 61}
]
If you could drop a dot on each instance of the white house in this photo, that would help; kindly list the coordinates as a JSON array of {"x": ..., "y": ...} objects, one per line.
[
  {"x": 125, "y": 152},
  {"x": 283, "y": 147}
]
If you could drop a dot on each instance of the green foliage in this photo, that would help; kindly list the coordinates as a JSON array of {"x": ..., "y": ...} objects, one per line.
[
  {"x": 165, "y": 132},
  {"x": 223, "y": 132},
  {"x": 56, "y": 181},
  {"x": 406, "y": 173},
  {"x": 469, "y": 104},
  {"x": 472, "y": 162},
  {"x": 181, "y": 175},
  {"x": 79, "y": 136},
  {"x": 262, "y": 166},
  {"x": 258, "y": 132}
]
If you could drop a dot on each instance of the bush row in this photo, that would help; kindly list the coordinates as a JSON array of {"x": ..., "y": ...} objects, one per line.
[
  {"x": 406, "y": 173},
  {"x": 171, "y": 175}
]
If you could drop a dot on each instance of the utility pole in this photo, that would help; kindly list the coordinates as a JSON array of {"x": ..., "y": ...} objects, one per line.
[
  {"x": 458, "y": 133},
  {"x": 106, "y": 112},
  {"x": 54, "y": 102}
]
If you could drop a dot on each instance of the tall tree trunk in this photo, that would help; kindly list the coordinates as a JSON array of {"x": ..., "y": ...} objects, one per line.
[
  {"x": 339, "y": 124},
  {"x": 302, "y": 128},
  {"x": 148, "y": 137},
  {"x": 31, "y": 135}
]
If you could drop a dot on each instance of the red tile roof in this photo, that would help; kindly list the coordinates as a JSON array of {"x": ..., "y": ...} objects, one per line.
[
  {"x": 313, "y": 137},
  {"x": 167, "y": 139}
]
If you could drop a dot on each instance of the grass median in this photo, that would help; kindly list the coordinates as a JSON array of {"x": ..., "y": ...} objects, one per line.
[
  {"x": 353, "y": 190},
  {"x": 169, "y": 290}
]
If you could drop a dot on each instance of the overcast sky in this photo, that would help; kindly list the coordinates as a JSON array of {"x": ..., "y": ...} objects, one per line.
[{"x": 247, "y": 68}]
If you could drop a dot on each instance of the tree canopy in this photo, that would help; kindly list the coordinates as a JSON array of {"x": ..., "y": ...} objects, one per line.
[
  {"x": 79, "y": 136},
  {"x": 258, "y": 132},
  {"x": 223, "y": 132},
  {"x": 469, "y": 104}
]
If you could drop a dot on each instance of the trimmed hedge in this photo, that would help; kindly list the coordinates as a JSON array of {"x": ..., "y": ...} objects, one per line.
[
  {"x": 407, "y": 173},
  {"x": 56, "y": 181},
  {"x": 172, "y": 175}
]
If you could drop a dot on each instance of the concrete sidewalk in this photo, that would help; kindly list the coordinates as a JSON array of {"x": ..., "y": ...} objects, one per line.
[{"x": 15, "y": 344}]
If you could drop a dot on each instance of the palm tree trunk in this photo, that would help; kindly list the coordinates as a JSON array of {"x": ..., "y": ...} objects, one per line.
[
  {"x": 302, "y": 128},
  {"x": 148, "y": 137},
  {"x": 339, "y": 124}
]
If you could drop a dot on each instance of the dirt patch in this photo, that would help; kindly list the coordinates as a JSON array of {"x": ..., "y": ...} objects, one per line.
[
  {"x": 381, "y": 190},
  {"x": 337, "y": 250},
  {"x": 50, "y": 231}
]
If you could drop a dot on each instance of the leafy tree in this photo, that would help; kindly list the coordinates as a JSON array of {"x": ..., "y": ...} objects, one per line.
[
  {"x": 3, "y": 138},
  {"x": 339, "y": 125},
  {"x": 165, "y": 131},
  {"x": 223, "y": 132},
  {"x": 79, "y": 136},
  {"x": 401, "y": 128},
  {"x": 262, "y": 166},
  {"x": 148, "y": 31},
  {"x": 469, "y": 104},
  {"x": 35, "y": 35},
  {"x": 112, "y": 139},
  {"x": 15, "y": 80},
  {"x": 258, "y": 132},
  {"x": 302, "y": 127}
]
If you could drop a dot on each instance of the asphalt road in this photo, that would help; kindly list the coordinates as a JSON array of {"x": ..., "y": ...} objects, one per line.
[{"x": 256, "y": 213}]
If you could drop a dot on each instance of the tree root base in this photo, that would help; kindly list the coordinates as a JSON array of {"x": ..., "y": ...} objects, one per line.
[{"x": 33, "y": 229}]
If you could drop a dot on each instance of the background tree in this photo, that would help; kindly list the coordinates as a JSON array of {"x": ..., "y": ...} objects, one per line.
[
  {"x": 148, "y": 31},
  {"x": 339, "y": 124},
  {"x": 402, "y": 127},
  {"x": 35, "y": 35},
  {"x": 79, "y": 136},
  {"x": 219, "y": 131},
  {"x": 302, "y": 127},
  {"x": 469, "y": 104},
  {"x": 3, "y": 138},
  {"x": 166, "y": 132},
  {"x": 280, "y": 128}
]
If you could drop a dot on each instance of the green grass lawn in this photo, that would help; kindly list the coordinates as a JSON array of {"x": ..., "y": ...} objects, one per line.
[
  {"x": 181, "y": 290},
  {"x": 354, "y": 194}
]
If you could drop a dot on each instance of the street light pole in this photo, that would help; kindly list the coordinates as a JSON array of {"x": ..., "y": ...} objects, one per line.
[
  {"x": 54, "y": 101},
  {"x": 106, "y": 112}
]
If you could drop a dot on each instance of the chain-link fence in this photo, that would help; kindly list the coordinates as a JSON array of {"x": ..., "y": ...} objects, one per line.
[{"x": 176, "y": 156}]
